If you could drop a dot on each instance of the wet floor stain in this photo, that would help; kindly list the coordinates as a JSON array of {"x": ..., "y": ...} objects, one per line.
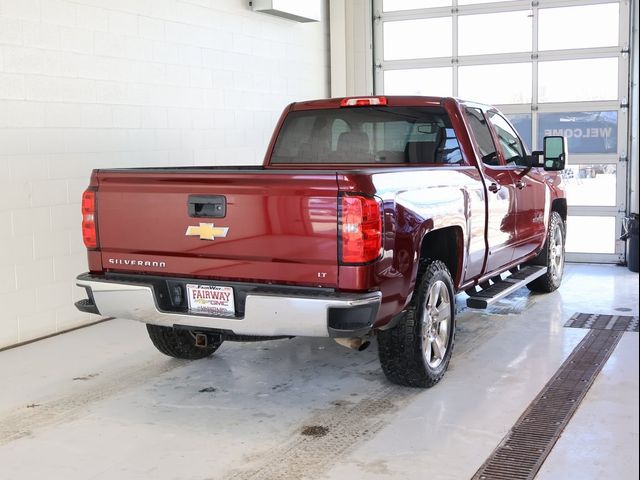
[
  {"x": 622, "y": 309},
  {"x": 20, "y": 422},
  {"x": 207, "y": 390},
  {"x": 86, "y": 377},
  {"x": 281, "y": 387},
  {"x": 327, "y": 436},
  {"x": 315, "y": 431}
]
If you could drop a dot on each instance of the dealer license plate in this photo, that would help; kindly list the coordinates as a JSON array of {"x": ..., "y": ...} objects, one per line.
[{"x": 211, "y": 299}]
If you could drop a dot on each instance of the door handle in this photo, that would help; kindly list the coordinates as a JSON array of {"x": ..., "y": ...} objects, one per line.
[
  {"x": 494, "y": 187},
  {"x": 520, "y": 184},
  {"x": 212, "y": 206}
]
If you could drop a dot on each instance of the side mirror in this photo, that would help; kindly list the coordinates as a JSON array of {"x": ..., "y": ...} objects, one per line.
[{"x": 555, "y": 153}]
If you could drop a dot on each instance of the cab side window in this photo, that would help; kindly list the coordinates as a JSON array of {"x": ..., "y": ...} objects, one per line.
[
  {"x": 510, "y": 143},
  {"x": 478, "y": 124}
]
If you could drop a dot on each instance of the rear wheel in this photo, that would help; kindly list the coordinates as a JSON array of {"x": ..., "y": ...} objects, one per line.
[
  {"x": 416, "y": 352},
  {"x": 179, "y": 343},
  {"x": 551, "y": 256}
]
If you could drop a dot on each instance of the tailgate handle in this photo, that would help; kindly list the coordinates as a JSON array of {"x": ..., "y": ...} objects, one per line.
[{"x": 214, "y": 206}]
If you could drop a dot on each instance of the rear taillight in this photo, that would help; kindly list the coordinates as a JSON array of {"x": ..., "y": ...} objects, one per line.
[
  {"x": 360, "y": 229},
  {"x": 89, "y": 232}
]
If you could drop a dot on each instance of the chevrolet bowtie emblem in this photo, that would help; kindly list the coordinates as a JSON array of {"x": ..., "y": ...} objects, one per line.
[{"x": 207, "y": 231}]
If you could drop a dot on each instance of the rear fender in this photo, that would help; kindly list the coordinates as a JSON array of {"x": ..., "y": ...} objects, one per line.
[
  {"x": 416, "y": 202},
  {"x": 442, "y": 234}
]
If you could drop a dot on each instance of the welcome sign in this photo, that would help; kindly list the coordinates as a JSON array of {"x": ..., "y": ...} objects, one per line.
[{"x": 586, "y": 132}]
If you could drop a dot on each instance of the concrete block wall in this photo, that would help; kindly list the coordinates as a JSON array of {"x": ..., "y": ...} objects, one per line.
[{"x": 124, "y": 83}]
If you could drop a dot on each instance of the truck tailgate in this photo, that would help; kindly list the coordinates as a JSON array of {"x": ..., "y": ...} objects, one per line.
[{"x": 281, "y": 227}]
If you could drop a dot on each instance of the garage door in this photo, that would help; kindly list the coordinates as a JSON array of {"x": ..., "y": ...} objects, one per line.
[{"x": 554, "y": 67}]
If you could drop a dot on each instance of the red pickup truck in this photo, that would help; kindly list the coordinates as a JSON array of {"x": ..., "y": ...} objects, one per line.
[{"x": 368, "y": 216}]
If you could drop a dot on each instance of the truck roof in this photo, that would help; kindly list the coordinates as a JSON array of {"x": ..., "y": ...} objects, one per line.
[{"x": 391, "y": 100}]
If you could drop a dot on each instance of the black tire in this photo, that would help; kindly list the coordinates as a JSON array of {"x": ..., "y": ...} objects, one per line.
[
  {"x": 179, "y": 343},
  {"x": 405, "y": 357},
  {"x": 551, "y": 256}
]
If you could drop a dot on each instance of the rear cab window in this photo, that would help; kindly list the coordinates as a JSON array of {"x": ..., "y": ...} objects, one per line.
[{"x": 367, "y": 135}]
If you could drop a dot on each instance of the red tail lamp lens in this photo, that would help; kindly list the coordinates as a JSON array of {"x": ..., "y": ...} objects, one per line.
[
  {"x": 361, "y": 229},
  {"x": 89, "y": 233}
]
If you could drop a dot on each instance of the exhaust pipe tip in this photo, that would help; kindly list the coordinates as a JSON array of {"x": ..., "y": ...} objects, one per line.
[{"x": 354, "y": 343}]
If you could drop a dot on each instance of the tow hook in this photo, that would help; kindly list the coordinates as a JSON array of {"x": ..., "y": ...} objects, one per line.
[{"x": 356, "y": 343}]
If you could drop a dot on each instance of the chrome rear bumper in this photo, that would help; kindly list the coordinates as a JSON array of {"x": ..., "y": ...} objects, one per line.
[{"x": 338, "y": 315}]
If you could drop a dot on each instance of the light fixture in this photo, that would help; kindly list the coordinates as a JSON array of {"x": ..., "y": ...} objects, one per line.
[{"x": 298, "y": 10}]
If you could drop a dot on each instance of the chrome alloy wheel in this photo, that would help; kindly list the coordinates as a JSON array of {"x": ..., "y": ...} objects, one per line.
[
  {"x": 556, "y": 254},
  {"x": 436, "y": 324}
]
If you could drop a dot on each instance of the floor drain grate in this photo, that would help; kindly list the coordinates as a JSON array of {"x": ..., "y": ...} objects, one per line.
[
  {"x": 620, "y": 323},
  {"x": 523, "y": 450}
]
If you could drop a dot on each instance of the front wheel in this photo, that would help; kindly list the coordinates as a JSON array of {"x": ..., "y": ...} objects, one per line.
[
  {"x": 551, "y": 256},
  {"x": 179, "y": 343},
  {"x": 416, "y": 352}
]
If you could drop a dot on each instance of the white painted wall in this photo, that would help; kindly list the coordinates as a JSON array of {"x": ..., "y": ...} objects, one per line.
[{"x": 124, "y": 83}]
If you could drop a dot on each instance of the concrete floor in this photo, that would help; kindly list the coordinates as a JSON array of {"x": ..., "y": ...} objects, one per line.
[{"x": 102, "y": 403}]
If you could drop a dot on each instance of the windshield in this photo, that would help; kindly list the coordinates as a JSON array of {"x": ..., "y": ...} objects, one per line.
[{"x": 368, "y": 135}]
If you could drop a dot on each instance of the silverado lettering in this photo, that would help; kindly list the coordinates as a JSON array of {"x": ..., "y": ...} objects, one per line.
[
  {"x": 366, "y": 219},
  {"x": 139, "y": 263}
]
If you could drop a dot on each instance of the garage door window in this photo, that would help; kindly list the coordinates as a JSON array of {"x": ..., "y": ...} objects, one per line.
[
  {"x": 419, "y": 81},
  {"x": 586, "y": 132},
  {"x": 578, "y": 80},
  {"x": 487, "y": 33},
  {"x": 507, "y": 83},
  {"x": 417, "y": 39},
  {"x": 578, "y": 27},
  {"x": 558, "y": 67}
]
